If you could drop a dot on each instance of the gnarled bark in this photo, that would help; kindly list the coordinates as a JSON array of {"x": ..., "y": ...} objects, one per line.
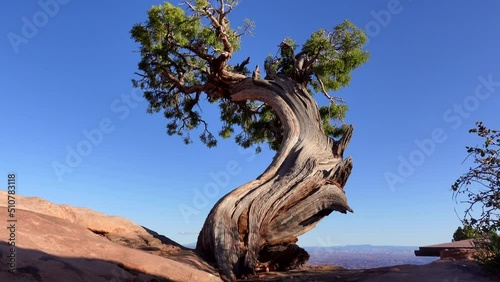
[{"x": 257, "y": 224}]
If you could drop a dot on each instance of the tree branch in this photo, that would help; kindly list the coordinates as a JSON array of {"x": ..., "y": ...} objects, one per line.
[{"x": 333, "y": 100}]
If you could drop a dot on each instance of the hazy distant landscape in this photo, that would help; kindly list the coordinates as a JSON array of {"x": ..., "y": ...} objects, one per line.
[
  {"x": 362, "y": 256},
  {"x": 365, "y": 256}
]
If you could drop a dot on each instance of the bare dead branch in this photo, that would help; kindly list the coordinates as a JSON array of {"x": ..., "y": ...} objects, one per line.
[{"x": 333, "y": 100}]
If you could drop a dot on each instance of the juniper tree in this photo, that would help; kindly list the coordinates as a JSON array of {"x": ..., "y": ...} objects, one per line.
[{"x": 186, "y": 56}]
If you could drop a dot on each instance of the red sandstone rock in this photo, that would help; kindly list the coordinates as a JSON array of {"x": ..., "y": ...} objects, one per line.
[
  {"x": 56, "y": 244},
  {"x": 458, "y": 254}
]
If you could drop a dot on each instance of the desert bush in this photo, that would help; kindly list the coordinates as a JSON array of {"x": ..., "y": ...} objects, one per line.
[{"x": 481, "y": 188}]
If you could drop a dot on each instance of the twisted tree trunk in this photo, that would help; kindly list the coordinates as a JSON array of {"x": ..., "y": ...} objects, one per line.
[{"x": 257, "y": 224}]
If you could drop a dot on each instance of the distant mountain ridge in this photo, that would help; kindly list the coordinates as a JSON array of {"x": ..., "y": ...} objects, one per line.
[
  {"x": 362, "y": 256},
  {"x": 361, "y": 246},
  {"x": 365, "y": 256}
]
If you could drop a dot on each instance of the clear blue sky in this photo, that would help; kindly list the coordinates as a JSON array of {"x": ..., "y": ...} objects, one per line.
[{"x": 66, "y": 73}]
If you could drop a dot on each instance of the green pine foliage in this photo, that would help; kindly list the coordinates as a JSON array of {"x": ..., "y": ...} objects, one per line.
[
  {"x": 469, "y": 232},
  {"x": 185, "y": 59}
]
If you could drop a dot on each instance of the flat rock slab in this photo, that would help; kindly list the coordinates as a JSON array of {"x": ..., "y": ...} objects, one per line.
[{"x": 435, "y": 250}]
